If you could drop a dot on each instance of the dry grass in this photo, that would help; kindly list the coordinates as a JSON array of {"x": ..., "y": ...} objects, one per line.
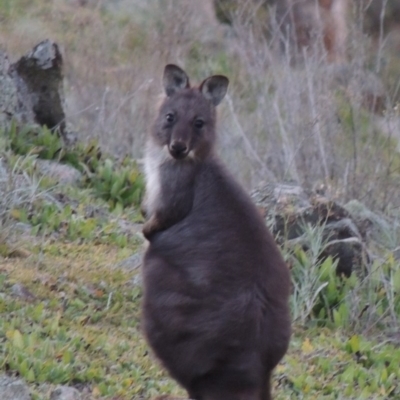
[{"x": 305, "y": 123}]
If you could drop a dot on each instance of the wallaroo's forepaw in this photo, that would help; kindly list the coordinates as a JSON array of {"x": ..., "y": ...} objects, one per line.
[
  {"x": 150, "y": 229},
  {"x": 147, "y": 231}
]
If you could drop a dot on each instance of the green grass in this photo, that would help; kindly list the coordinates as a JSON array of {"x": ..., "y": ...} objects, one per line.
[
  {"x": 83, "y": 328},
  {"x": 324, "y": 364},
  {"x": 120, "y": 183}
]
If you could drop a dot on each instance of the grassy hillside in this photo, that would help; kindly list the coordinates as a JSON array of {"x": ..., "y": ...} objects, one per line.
[
  {"x": 70, "y": 290},
  {"x": 69, "y": 284},
  {"x": 307, "y": 123}
]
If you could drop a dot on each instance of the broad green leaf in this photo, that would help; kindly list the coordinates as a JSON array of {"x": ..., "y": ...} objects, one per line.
[
  {"x": 355, "y": 343},
  {"x": 17, "y": 339}
]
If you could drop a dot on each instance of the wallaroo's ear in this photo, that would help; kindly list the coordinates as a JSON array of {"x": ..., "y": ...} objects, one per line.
[
  {"x": 174, "y": 79},
  {"x": 214, "y": 88}
]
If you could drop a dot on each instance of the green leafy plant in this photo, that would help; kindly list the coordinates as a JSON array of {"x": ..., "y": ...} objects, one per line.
[
  {"x": 34, "y": 140},
  {"x": 72, "y": 224},
  {"x": 319, "y": 295},
  {"x": 119, "y": 183},
  {"x": 332, "y": 306}
]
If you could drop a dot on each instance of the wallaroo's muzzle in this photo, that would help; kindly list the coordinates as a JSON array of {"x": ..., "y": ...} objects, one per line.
[{"x": 178, "y": 150}]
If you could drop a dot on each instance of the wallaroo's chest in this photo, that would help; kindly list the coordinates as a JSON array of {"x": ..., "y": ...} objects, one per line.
[{"x": 155, "y": 158}]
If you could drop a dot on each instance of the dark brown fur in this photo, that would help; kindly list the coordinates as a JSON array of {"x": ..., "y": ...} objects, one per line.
[{"x": 215, "y": 308}]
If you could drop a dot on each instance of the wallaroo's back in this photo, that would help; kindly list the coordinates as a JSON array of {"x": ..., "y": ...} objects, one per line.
[{"x": 216, "y": 288}]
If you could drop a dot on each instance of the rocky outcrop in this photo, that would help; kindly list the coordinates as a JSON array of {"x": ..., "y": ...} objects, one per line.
[
  {"x": 8, "y": 93},
  {"x": 373, "y": 227},
  {"x": 16, "y": 389},
  {"x": 39, "y": 80},
  {"x": 31, "y": 90},
  {"x": 288, "y": 209},
  {"x": 61, "y": 173},
  {"x": 13, "y": 389},
  {"x": 65, "y": 393}
]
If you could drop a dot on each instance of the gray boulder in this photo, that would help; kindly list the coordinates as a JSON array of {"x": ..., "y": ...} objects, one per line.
[
  {"x": 65, "y": 393},
  {"x": 8, "y": 92},
  {"x": 13, "y": 389},
  {"x": 61, "y": 173},
  {"x": 372, "y": 226},
  {"x": 31, "y": 90},
  {"x": 39, "y": 80},
  {"x": 289, "y": 209}
]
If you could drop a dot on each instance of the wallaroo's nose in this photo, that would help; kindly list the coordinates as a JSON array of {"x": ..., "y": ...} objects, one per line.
[{"x": 178, "y": 149}]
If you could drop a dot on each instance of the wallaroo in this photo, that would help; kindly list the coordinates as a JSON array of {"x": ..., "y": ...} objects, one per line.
[{"x": 216, "y": 288}]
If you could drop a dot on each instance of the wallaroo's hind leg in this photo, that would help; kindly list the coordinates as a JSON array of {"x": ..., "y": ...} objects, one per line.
[
  {"x": 194, "y": 395},
  {"x": 266, "y": 390}
]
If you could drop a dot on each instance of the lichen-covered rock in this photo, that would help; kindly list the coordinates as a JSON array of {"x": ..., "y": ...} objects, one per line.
[
  {"x": 8, "y": 92},
  {"x": 65, "y": 393},
  {"x": 39, "y": 79},
  {"x": 31, "y": 90},
  {"x": 288, "y": 209},
  {"x": 350, "y": 253},
  {"x": 371, "y": 225},
  {"x": 13, "y": 389},
  {"x": 19, "y": 290},
  {"x": 62, "y": 173}
]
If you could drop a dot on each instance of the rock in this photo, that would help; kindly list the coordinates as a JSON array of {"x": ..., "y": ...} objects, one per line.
[
  {"x": 132, "y": 263},
  {"x": 126, "y": 227},
  {"x": 349, "y": 252},
  {"x": 280, "y": 196},
  {"x": 39, "y": 80},
  {"x": 8, "y": 92},
  {"x": 342, "y": 229},
  {"x": 22, "y": 228},
  {"x": 137, "y": 281},
  {"x": 289, "y": 209},
  {"x": 13, "y": 389},
  {"x": 65, "y": 393},
  {"x": 22, "y": 292},
  {"x": 344, "y": 243},
  {"x": 371, "y": 226},
  {"x": 62, "y": 173},
  {"x": 31, "y": 90}
]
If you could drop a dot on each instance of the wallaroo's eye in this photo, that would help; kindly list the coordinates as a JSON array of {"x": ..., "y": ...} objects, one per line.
[
  {"x": 170, "y": 117},
  {"x": 199, "y": 123}
]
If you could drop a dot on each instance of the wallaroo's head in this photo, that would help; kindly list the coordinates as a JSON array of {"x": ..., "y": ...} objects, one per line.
[{"x": 186, "y": 119}]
